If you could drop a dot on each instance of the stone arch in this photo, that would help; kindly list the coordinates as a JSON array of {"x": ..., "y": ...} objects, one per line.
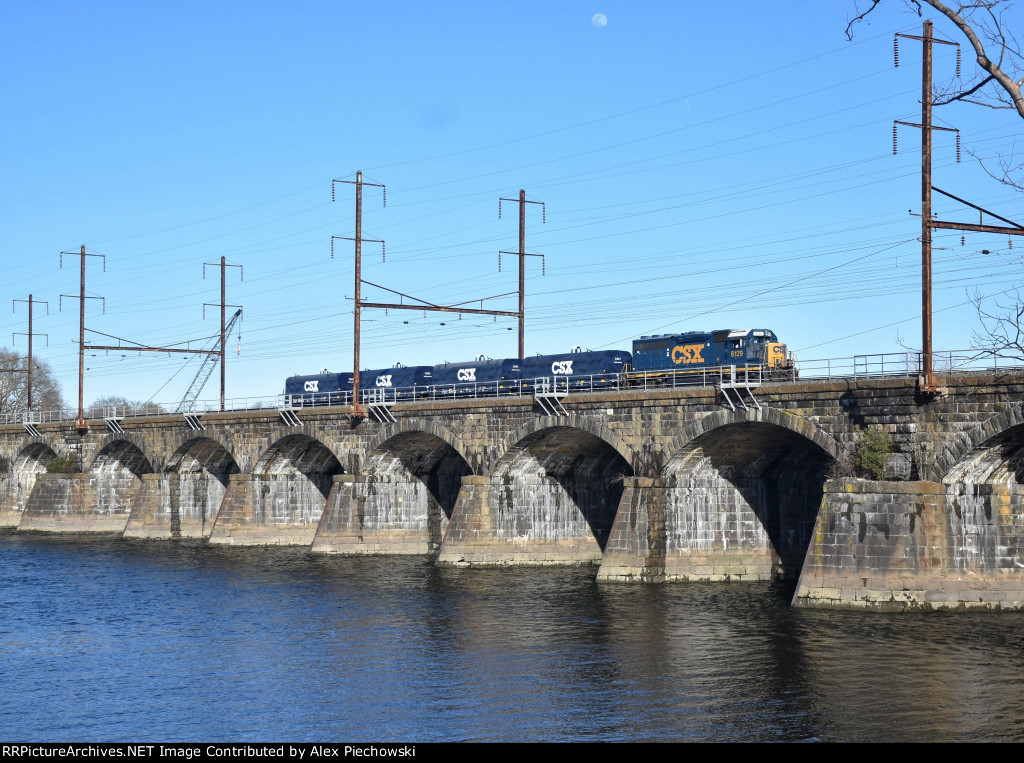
[
  {"x": 202, "y": 453},
  {"x": 116, "y": 475},
  {"x": 411, "y": 481},
  {"x": 572, "y": 421},
  {"x": 169, "y": 460},
  {"x": 38, "y": 451},
  {"x": 282, "y": 500},
  {"x": 983, "y": 475},
  {"x": 723, "y": 418},
  {"x": 348, "y": 461},
  {"x": 298, "y": 454},
  {"x": 26, "y": 464},
  {"x": 555, "y": 489},
  {"x": 121, "y": 452},
  {"x": 984, "y": 450},
  {"x": 108, "y": 443},
  {"x": 195, "y": 481},
  {"x": 742, "y": 493},
  {"x": 411, "y": 426}
]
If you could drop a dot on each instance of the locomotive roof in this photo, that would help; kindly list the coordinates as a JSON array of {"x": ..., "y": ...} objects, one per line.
[{"x": 730, "y": 333}]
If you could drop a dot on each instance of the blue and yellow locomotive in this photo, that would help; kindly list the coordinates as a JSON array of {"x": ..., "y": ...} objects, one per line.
[{"x": 700, "y": 351}]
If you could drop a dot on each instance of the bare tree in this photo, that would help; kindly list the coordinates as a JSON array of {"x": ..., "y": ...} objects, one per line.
[
  {"x": 119, "y": 405},
  {"x": 1002, "y": 325},
  {"x": 46, "y": 394}
]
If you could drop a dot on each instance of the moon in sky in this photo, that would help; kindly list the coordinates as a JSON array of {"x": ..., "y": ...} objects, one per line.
[{"x": 599, "y": 20}]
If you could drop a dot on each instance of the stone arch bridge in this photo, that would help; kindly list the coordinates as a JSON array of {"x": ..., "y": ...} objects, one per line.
[{"x": 658, "y": 485}]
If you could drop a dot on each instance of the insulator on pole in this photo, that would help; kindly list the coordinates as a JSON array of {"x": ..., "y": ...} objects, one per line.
[
  {"x": 499, "y": 209},
  {"x": 332, "y": 190},
  {"x": 543, "y": 213},
  {"x": 894, "y": 138},
  {"x": 383, "y": 252},
  {"x": 896, "y": 52},
  {"x": 499, "y": 262},
  {"x": 543, "y": 265},
  {"x": 1009, "y": 242},
  {"x": 958, "y": 147},
  {"x": 958, "y": 61},
  {"x": 332, "y": 247},
  {"x": 385, "y": 190},
  {"x": 963, "y": 239}
]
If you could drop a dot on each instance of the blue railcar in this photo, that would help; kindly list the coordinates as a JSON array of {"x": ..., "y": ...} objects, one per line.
[
  {"x": 399, "y": 382},
  {"x": 700, "y": 351},
  {"x": 477, "y": 377},
  {"x": 576, "y": 370},
  {"x": 323, "y": 388}
]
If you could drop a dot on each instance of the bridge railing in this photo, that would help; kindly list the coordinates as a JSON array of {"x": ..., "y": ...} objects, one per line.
[
  {"x": 879, "y": 365},
  {"x": 905, "y": 364}
]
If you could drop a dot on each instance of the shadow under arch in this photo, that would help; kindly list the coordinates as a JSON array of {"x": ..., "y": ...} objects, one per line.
[
  {"x": 992, "y": 452},
  {"x": 121, "y": 455},
  {"x": 197, "y": 477},
  {"x": 117, "y": 475},
  {"x": 560, "y": 484},
  {"x": 300, "y": 454},
  {"x": 26, "y": 464},
  {"x": 581, "y": 423},
  {"x": 282, "y": 501},
  {"x": 406, "y": 461},
  {"x": 746, "y": 493}
]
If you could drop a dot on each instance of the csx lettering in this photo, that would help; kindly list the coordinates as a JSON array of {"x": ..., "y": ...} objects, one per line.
[
  {"x": 384, "y": 381},
  {"x": 561, "y": 367},
  {"x": 467, "y": 374},
  {"x": 312, "y": 386},
  {"x": 687, "y": 353}
]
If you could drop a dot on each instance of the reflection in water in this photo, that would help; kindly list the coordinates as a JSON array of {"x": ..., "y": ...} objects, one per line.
[{"x": 112, "y": 638}]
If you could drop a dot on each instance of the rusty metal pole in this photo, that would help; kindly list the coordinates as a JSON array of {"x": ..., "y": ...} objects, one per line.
[
  {"x": 30, "y": 353},
  {"x": 927, "y": 381},
  {"x": 522, "y": 274},
  {"x": 80, "y": 424},
  {"x": 223, "y": 355},
  {"x": 356, "y": 409}
]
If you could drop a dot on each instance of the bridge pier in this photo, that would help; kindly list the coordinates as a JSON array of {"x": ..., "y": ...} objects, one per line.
[
  {"x": 176, "y": 505},
  {"x": 916, "y": 545},
  {"x": 532, "y": 521},
  {"x": 636, "y": 544},
  {"x": 270, "y": 510},
  {"x": 10, "y": 509},
  {"x": 379, "y": 514},
  {"x": 79, "y": 503}
]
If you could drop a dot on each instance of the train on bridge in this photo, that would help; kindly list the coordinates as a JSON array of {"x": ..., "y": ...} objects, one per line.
[{"x": 656, "y": 359}]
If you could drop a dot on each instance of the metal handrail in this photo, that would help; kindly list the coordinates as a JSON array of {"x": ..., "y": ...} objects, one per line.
[{"x": 880, "y": 365}]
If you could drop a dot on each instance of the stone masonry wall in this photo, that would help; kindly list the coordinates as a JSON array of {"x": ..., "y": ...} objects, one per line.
[{"x": 923, "y": 545}]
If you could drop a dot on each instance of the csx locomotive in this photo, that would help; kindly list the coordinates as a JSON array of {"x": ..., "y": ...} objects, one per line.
[{"x": 663, "y": 358}]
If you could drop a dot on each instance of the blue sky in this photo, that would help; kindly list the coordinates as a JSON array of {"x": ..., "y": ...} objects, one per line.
[{"x": 703, "y": 166}]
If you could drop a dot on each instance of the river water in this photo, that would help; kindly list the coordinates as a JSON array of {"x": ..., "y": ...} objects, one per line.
[{"x": 107, "y": 639}]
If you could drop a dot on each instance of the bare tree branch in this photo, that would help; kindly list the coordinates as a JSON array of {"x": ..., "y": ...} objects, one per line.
[
  {"x": 1002, "y": 325},
  {"x": 984, "y": 26}
]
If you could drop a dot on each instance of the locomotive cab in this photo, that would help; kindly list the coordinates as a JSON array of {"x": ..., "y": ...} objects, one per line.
[{"x": 765, "y": 349}]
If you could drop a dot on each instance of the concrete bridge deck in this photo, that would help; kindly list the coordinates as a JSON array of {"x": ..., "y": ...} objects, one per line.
[{"x": 653, "y": 485}]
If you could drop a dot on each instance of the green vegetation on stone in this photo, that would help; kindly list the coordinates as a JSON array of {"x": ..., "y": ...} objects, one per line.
[{"x": 870, "y": 453}]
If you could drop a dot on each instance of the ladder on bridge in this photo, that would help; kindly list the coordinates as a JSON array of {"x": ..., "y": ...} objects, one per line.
[
  {"x": 287, "y": 414},
  {"x": 377, "y": 404},
  {"x": 732, "y": 382},
  {"x": 30, "y": 426},
  {"x": 549, "y": 396}
]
